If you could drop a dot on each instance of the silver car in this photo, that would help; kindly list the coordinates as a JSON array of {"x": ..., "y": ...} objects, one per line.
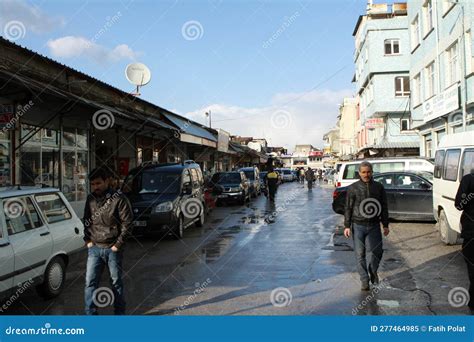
[{"x": 39, "y": 234}]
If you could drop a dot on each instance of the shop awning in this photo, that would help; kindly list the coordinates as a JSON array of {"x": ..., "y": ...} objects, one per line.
[{"x": 189, "y": 128}]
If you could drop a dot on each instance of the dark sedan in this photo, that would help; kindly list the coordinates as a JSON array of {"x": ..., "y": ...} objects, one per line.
[
  {"x": 409, "y": 195},
  {"x": 230, "y": 186}
]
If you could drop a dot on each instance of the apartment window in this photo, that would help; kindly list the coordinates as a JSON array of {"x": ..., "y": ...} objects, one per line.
[
  {"x": 430, "y": 80},
  {"x": 416, "y": 89},
  {"x": 402, "y": 86},
  {"x": 428, "y": 11},
  {"x": 452, "y": 64},
  {"x": 415, "y": 32},
  {"x": 404, "y": 125},
  {"x": 392, "y": 46}
]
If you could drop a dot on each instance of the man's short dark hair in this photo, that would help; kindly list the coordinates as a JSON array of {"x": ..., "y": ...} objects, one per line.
[
  {"x": 99, "y": 172},
  {"x": 366, "y": 164}
]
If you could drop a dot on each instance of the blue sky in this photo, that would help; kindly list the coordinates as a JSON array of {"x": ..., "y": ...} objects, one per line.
[{"x": 273, "y": 69}]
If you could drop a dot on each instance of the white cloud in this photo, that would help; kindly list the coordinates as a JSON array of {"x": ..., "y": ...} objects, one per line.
[
  {"x": 72, "y": 46},
  {"x": 289, "y": 119},
  {"x": 30, "y": 16}
]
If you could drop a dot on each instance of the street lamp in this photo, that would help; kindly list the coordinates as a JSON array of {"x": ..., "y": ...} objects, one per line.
[{"x": 208, "y": 114}]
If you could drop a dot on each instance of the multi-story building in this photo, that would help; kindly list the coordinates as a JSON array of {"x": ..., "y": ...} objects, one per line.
[
  {"x": 306, "y": 156},
  {"x": 332, "y": 140},
  {"x": 442, "y": 69},
  {"x": 382, "y": 61},
  {"x": 347, "y": 127}
]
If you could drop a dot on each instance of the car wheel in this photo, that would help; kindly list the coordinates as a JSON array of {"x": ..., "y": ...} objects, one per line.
[
  {"x": 202, "y": 217},
  {"x": 179, "y": 229},
  {"x": 447, "y": 235},
  {"x": 54, "y": 279}
]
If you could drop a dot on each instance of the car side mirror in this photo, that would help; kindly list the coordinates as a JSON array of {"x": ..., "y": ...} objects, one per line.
[{"x": 425, "y": 186}]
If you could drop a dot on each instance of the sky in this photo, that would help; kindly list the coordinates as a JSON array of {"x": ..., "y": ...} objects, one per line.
[{"x": 268, "y": 69}]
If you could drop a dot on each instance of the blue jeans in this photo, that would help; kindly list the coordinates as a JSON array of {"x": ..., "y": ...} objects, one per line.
[
  {"x": 97, "y": 258},
  {"x": 367, "y": 245}
]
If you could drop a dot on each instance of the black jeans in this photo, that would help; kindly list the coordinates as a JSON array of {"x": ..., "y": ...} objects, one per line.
[{"x": 468, "y": 253}]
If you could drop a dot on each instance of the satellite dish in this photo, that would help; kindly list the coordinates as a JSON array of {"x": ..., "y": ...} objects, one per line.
[{"x": 138, "y": 74}]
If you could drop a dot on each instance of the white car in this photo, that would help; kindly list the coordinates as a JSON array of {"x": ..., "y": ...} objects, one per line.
[
  {"x": 39, "y": 234},
  {"x": 349, "y": 172},
  {"x": 454, "y": 158},
  {"x": 287, "y": 175}
]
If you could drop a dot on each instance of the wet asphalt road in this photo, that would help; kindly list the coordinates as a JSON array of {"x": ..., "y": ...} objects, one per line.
[{"x": 285, "y": 258}]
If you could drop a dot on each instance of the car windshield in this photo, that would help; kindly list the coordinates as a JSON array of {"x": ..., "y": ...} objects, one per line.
[
  {"x": 427, "y": 175},
  {"x": 223, "y": 178},
  {"x": 153, "y": 182}
]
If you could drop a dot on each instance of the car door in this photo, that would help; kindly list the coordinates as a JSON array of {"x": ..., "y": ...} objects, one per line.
[
  {"x": 66, "y": 229},
  {"x": 30, "y": 238},
  {"x": 387, "y": 181},
  {"x": 414, "y": 196},
  {"x": 6, "y": 259}
]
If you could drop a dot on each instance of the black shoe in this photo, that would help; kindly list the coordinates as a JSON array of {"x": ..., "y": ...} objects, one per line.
[
  {"x": 374, "y": 278},
  {"x": 365, "y": 286}
]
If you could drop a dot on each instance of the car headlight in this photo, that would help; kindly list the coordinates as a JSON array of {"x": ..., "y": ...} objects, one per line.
[{"x": 164, "y": 207}]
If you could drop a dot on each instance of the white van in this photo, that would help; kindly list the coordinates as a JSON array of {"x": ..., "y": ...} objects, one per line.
[
  {"x": 39, "y": 235},
  {"x": 454, "y": 158},
  {"x": 349, "y": 172}
]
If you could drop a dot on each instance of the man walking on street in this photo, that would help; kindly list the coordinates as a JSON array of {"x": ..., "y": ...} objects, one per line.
[
  {"x": 366, "y": 206},
  {"x": 107, "y": 221},
  {"x": 465, "y": 201},
  {"x": 310, "y": 178},
  {"x": 272, "y": 184}
]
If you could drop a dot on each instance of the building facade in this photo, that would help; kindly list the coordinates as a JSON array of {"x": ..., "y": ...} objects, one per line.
[
  {"x": 382, "y": 62},
  {"x": 442, "y": 69},
  {"x": 348, "y": 128}
]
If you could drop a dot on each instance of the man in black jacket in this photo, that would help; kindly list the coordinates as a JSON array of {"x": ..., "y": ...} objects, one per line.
[
  {"x": 366, "y": 206},
  {"x": 465, "y": 201},
  {"x": 107, "y": 222}
]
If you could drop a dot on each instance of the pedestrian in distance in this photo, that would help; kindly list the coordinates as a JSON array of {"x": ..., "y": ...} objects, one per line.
[
  {"x": 301, "y": 173},
  {"x": 309, "y": 178},
  {"x": 366, "y": 207},
  {"x": 464, "y": 201},
  {"x": 107, "y": 222}
]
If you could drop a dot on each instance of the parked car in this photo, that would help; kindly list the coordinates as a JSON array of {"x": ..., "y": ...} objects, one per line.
[
  {"x": 39, "y": 237},
  {"x": 166, "y": 198},
  {"x": 409, "y": 195},
  {"x": 286, "y": 175},
  {"x": 454, "y": 158},
  {"x": 253, "y": 176},
  {"x": 231, "y": 186},
  {"x": 349, "y": 172}
]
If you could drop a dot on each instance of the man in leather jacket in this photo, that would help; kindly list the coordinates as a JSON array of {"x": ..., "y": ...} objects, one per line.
[
  {"x": 108, "y": 219},
  {"x": 465, "y": 201},
  {"x": 366, "y": 207}
]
